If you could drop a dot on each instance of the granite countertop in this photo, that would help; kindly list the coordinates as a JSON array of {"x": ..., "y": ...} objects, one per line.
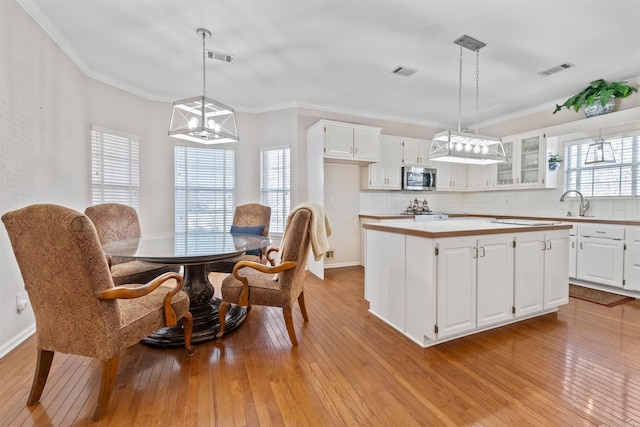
[
  {"x": 614, "y": 221},
  {"x": 464, "y": 227}
]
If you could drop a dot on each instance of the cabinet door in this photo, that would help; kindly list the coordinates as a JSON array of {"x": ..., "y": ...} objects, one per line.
[
  {"x": 456, "y": 286},
  {"x": 632, "y": 259},
  {"x": 451, "y": 176},
  {"x": 386, "y": 174},
  {"x": 415, "y": 152},
  {"x": 338, "y": 141},
  {"x": 573, "y": 254},
  {"x": 529, "y": 273},
  {"x": 495, "y": 280},
  {"x": 366, "y": 144},
  {"x": 556, "y": 269},
  {"x": 480, "y": 177},
  {"x": 600, "y": 260},
  {"x": 504, "y": 170},
  {"x": 529, "y": 157}
]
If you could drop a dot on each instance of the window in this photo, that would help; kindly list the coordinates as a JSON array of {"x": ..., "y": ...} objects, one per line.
[
  {"x": 204, "y": 189},
  {"x": 115, "y": 176},
  {"x": 275, "y": 185},
  {"x": 619, "y": 179}
]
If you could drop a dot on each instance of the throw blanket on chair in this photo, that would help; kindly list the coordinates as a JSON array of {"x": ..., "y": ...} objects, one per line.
[{"x": 320, "y": 230}]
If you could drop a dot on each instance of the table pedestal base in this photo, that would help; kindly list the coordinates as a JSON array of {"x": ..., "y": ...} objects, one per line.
[{"x": 205, "y": 325}]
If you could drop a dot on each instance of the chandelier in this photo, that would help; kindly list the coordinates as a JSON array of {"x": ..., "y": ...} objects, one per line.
[
  {"x": 464, "y": 147},
  {"x": 599, "y": 151},
  {"x": 201, "y": 119}
]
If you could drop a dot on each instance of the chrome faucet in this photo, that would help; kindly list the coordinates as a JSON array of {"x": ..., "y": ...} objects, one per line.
[{"x": 585, "y": 204}]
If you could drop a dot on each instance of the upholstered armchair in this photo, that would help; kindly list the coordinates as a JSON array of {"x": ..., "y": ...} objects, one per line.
[
  {"x": 252, "y": 218},
  {"x": 278, "y": 285},
  {"x": 114, "y": 221},
  {"x": 77, "y": 308}
]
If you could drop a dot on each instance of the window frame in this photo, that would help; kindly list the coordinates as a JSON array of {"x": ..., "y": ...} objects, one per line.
[
  {"x": 281, "y": 190},
  {"x": 111, "y": 157}
]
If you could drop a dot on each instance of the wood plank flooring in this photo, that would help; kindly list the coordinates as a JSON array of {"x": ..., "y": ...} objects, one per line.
[{"x": 578, "y": 367}]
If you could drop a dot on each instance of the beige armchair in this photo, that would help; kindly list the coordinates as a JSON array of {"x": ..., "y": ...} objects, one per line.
[
  {"x": 114, "y": 221},
  {"x": 249, "y": 218},
  {"x": 252, "y": 283},
  {"x": 77, "y": 308}
]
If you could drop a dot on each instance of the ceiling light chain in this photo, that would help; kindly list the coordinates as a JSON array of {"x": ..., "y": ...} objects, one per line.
[
  {"x": 460, "y": 91},
  {"x": 477, "y": 85},
  {"x": 204, "y": 33}
]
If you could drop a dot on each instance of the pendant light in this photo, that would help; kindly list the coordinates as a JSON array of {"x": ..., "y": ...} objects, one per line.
[
  {"x": 201, "y": 119},
  {"x": 599, "y": 151},
  {"x": 463, "y": 147}
]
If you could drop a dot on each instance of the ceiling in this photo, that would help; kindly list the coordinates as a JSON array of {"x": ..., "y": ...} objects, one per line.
[{"x": 338, "y": 55}]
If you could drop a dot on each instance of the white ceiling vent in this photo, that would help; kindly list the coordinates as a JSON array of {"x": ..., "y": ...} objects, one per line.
[
  {"x": 224, "y": 57},
  {"x": 404, "y": 71},
  {"x": 556, "y": 69}
]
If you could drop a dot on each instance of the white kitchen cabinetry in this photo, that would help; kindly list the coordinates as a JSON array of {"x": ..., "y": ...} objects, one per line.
[
  {"x": 451, "y": 176},
  {"x": 632, "y": 259},
  {"x": 600, "y": 257},
  {"x": 526, "y": 165},
  {"x": 415, "y": 152},
  {"x": 480, "y": 177},
  {"x": 346, "y": 141},
  {"x": 386, "y": 174},
  {"x": 541, "y": 272},
  {"x": 573, "y": 257},
  {"x": 474, "y": 282}
]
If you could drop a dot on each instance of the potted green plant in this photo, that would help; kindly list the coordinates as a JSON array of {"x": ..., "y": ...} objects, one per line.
[
  {"x": 598, "y": 97},
  {"x": 554, "y": 161}
]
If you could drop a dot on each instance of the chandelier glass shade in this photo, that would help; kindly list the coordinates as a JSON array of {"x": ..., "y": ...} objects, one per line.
[
  {"x": 463, "y": 147},
  {"x": 201, "y": 119}
]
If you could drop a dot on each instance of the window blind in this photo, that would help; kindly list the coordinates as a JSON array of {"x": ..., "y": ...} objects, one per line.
[
  {"x": 204, "y": 189},
  {"x": 275, "y": 185},
  {"x": 619, "y": 179},
  {"x": 115, "y": 176}
]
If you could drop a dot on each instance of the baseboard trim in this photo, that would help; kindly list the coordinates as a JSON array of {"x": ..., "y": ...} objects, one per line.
[
  {"x": 341, "y": 264},
  {"x": 17, "y": 340}
]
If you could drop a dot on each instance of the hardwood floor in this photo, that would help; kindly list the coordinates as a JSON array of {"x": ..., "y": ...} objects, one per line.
[{"x": 578, "y": 367}]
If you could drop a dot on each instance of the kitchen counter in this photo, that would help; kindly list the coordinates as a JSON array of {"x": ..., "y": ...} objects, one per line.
[
  {"x": 460, "y": 228},
  {"x": 435, "y": 281},
  {"x": 588, "y": 219}
]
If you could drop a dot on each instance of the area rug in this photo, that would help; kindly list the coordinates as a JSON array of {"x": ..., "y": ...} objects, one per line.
[{"x": 598, "y": 297}]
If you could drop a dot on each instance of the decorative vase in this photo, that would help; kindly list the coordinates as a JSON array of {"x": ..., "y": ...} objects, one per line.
[
  {"x": 598, "y": 109},
  {"x": 553, "y": 165}
]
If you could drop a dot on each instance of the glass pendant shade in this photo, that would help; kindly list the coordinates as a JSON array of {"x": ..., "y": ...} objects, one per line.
[
  {"x": 203, "y": 120},
  {"x": 470, "y": 148},
  {"x": 600, "y": 151}
]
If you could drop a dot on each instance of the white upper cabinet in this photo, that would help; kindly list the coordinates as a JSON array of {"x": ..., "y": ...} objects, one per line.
[
  {"x": 526, "y": 165},
  {"x": 415, "y": 152},
  {"x": 346, "y": 141},
  {"x": 386, "y": 174},
  {"x": 451, "y": 176}
]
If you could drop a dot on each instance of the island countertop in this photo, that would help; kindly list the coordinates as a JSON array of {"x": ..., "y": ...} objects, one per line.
[{"x": 463, "y": 227}]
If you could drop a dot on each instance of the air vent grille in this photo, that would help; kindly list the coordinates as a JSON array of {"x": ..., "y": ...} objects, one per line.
[
  {"x": 404, "y": 71},
  {"x": 556, "y": 69},
  {"x": 220, "y": 56}
]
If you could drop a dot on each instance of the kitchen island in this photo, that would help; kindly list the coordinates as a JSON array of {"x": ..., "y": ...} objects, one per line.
[{"x": 436, "y": 281}]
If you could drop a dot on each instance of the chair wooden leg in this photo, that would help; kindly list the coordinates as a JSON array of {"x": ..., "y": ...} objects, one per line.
[
  {"x": 45, "y": 358},
  {"x": 187, "y": 328},
  {"x": 303, "y": 308},
  {"x": 288, "y": 320},
  {"x": 109, "y": 371},
  {"x": 222, "y": 313}
]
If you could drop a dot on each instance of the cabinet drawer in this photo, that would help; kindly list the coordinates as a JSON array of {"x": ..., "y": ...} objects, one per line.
[{"x": 601, "y": 230}]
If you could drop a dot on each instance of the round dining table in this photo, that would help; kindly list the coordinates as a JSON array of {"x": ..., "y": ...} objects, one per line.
[{"x": 194, "y": 251}]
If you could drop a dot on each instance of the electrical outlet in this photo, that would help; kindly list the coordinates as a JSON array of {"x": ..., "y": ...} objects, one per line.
[
  {"x": 329, "y": 254},
  {"x": 22, "y": 301}
]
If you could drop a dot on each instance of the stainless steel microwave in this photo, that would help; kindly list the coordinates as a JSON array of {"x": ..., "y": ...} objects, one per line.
[{"x": 418, "y": 178}]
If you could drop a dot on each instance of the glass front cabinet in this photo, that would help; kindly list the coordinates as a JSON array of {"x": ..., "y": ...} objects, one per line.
[{"x": 526, "y": 165}]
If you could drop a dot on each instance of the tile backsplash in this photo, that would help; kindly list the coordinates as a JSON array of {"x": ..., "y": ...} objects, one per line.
[{"x": 543, "y": 202}]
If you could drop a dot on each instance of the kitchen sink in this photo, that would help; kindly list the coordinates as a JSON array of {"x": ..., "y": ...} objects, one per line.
[{"x": 529, "y": 222}]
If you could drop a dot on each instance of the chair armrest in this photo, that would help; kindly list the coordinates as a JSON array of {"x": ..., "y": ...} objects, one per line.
[
  {"x": 244, "y": 295},
  {"x": 271, "y": 260},
  {"x": 128, "y": 292}
]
